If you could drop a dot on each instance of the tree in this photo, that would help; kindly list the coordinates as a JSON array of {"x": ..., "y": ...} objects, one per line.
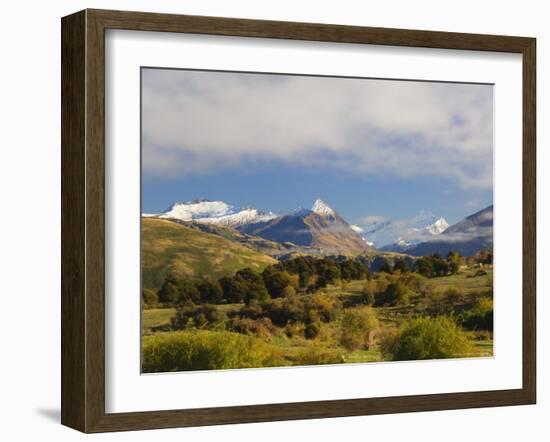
[
  {"x": 149, "y": 297},
  {"x": 198, "y": 316},
  {"x": 357, "y": 327},
  {"x": 210, "y": 291},
  {"x": 425, "y": 267},
  {"x": 402, "y": 265},
  {"x": 396, "y": 293},
  {"x": 425, "y": 338},
  {"x": 188, "y": 291},
  {"x": 369, "y": 293},
  {"x": 234, "y": 291},
  {"x": 386, "y": 267},
  {"x": 254, "y": 283},
  {"x": 276, "y": 281},
  {"x": 168, "y": 292},
  {"x": 440, "y": 265},
  {"x": 454, "y": 261}
]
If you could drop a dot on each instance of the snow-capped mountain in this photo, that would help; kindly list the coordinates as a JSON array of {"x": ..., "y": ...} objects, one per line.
[
  {"x": 197, "y": 209},
  {"x": 467, "y": 237},
  {"x": 216, "y": 212},
  {"x": 321, "y": 208},
  {"x": 400, "y": 234},
  {"x": 321, "y": 227}
]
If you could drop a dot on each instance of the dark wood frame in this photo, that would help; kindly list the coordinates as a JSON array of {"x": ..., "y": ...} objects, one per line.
[{"x": 83, "y": 216}]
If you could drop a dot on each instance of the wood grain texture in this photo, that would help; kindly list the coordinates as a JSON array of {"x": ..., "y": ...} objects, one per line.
[
  {"x": 73, "y": 253},
  {"x": 83, "y": 220}
]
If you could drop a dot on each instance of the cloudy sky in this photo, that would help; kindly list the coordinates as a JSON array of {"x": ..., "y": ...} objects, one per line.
[{"x": 368, "y": 147}]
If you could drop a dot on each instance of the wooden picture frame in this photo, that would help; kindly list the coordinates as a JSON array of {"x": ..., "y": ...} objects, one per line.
[{"x": 83, "y": 220}]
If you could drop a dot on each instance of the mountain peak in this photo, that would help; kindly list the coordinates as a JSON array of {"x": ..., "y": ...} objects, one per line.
[{"x": 321, "y": 208}]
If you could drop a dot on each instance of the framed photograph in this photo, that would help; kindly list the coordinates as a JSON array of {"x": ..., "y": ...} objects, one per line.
[{"x": 267, "y": 220}]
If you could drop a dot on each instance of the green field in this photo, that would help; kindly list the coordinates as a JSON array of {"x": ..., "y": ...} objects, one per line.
[
  {"x": 291, "y": 348},
  {"x": 156, "y": 317}
]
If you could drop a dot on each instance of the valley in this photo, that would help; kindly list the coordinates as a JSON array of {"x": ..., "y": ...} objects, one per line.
[{"x": 232, "y": 288}]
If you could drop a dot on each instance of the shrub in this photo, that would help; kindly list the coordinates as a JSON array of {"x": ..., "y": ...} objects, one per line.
[
  {"x": 357, "y": 326},
  {"x": 454, "y": 296},
  {"x": 425, "y": 338},
  {"x": 198, "y": 316},
  {"x": 283, "y": 310},
  {"x": 178, "y": 290},
  {"x": 247, "y": 326},
  {"x": 206, "y": 350},
  {"x": 480, "y": 317},
  {"x": 254, "y": 285},
  {"x": 210, "y": 291},
  {"x": 396, "y": 293},
  {"x": 401, "y": 265},
  {"x": 293, "y": 329},
  {"x": 323, "y": 306},
  {"x": 386, "y": 267},
  {"x": 312, "y": 330},
  {"x": 149, "y": 298},
  {"x": 414, "y": 281},
  {"x": 233, "y": 291},
  {"x": 276, "y": 281}
]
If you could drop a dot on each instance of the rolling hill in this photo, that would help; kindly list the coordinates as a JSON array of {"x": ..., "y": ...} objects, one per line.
[{"x": 167, "y": 246}]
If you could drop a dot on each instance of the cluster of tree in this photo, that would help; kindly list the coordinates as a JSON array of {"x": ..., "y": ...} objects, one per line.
[
  {"x": 393, "y": 289},
  {"x": 436, "y": 265},
  {"x": 285, "y": 279},
  {"x": 400, "y": 265},
  {"x": 314, "y": 273},
  {"x": 480, "y": 316},
  {"x": 304, "y": 309},
  {"x": 260, "y": 318},
  {"x": 484, "y": 257},
  {"x": 176, "y": 290}
]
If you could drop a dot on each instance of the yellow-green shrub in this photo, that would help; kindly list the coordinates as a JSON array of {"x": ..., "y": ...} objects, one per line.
[
  {"x": 357, "y": 326},
  {"x": 425, "y": 338},
  {"x": 206, "y": 350}
]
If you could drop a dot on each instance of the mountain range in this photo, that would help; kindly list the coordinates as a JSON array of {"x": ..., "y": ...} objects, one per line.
[
  {"x": 322, "y": 230},
  {"x": 467, "y": 237},
  {"x": 399, "y": 235},
  {"x": 320, "y": 227}
]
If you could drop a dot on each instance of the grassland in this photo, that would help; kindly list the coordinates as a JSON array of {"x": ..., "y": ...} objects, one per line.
[
  {"x": 288, "y": 346},
  {"x": 170, "y": 247}
]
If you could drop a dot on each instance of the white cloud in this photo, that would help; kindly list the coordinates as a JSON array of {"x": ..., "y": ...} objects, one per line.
[{"x": 196, "y": 122}]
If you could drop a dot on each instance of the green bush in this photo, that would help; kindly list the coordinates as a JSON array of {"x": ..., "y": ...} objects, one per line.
[
  {"x": 396, "y": 293},
  {"x": 247, "y": 326},
  {"x": 357, "y": 326},
  {"x": 369, "y": 292},
  {"x": 210, "y": 291},
  {"x": 206, "y": 350},
  {"x": 425, "y": 338},
  {"x": 198, "y": 316},
  {"x": 312, "y": 330},
  {"x": 480, "y": 317},
  {"x": 149, "y": 298}
]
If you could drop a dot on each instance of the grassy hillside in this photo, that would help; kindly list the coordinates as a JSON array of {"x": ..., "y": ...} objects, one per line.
[{"x": 167, "y": 246}]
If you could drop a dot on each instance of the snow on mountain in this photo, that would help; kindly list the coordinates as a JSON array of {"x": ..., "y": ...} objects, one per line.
[
  {"x": 198, "y": 209},
  {"x": 216, "y": 212},
  {"x": 356, "y": 228},
  {"x": 467, "y": 237},
  {"x": 243, "y": 217},
  {"x": 402, "y": 233},
  {"x": 321, "y": 208}
]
